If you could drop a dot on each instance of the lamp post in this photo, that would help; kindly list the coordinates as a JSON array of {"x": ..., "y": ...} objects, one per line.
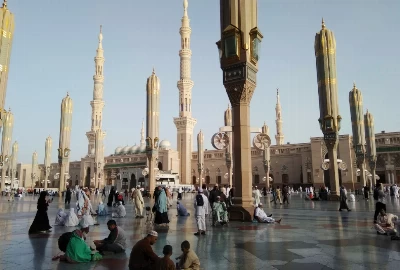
[
  {"x": 371, "y": 146},
  {"x": 152, "y": 154},
  {"x": 228, "y": 150},
  {"x": 200, "y": 156},
  {"x": 65, "y": 137},
  {"x": 8, "y": 124},
  {"x": 329, "y": 120},
  {"x": 47, "y": 160},
  {"x": 239, "y": 55},
  {"x": 266, "y": 155},
  {"x": 357, "y": 120},
  {"x": 13, "y": 165}
]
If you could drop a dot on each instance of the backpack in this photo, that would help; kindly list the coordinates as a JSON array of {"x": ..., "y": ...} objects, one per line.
[
  {"x": 199, "y": 200},
  {"x": 120, "y": 198},
  {"x": 376, "y": 194},
  {"x": 63, "y": 241}
]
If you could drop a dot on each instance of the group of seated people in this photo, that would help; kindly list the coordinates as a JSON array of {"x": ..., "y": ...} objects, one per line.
[
  {"x": 387, "y": 224},
  {"x": 143, "y": 256},
  {"x": 78, "y": 251}
]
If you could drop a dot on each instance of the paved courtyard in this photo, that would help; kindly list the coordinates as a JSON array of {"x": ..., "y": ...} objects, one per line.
[{"x": 312, "y": 235}]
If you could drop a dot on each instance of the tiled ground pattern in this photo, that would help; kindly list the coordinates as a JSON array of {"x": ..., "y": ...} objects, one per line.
[{"x": 313, "y": 235}]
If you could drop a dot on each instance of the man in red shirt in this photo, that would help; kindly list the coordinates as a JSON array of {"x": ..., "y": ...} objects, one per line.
[{"x": 142, "y": 256}]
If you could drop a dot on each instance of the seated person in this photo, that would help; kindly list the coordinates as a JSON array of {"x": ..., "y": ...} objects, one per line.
[
  {"x": 101, "y": 210},
  {"x": 262, "y": 217},
  {"x": 352, "y": 198},
  {"x": 396, "y": 222},
  {"x": 61, "y": 217},
  {"x": 116, "y": 240},
  {"x": 142, "y": 255},
  {"x": 385, "y": 224},
  {"x": 72, "y": 219},
  {"x": 120, "y": 211},
  {"x": 182, "y": 210},
  {"x": 219, "y": 211},
  {"x": 77, "y": 250},
  {"x": 166, "y": 263},
  {"x": 188, "y": 259}
]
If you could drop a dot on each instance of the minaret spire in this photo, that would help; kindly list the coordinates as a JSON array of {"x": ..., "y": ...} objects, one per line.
[
  {"x": 96, "y": 134},
  {"x": 278, "y": 109},
  {"x": 185, "y": 123}
]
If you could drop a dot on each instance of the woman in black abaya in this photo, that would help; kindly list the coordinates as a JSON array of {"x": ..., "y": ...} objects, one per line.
[{"x": 41, "y": 221}]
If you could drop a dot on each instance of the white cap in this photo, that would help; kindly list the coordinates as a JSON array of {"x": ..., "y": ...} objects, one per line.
[{"x": 153, "y": 233}]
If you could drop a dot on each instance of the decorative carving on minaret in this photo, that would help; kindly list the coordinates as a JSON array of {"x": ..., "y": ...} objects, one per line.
[
  {"x": 97, "y": 103},
  {"x": 185, "y": 123},
  {"x": 142, "y": 135},
  {"x": 278, "y": 109}
]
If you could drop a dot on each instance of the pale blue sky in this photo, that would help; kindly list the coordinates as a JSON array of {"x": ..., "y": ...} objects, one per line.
[{"x": 55, "y": 43}]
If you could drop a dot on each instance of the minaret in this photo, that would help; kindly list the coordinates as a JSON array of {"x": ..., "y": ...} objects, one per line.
[
  {"x": 228, "y": 150},
  {"x": 6, "y": 38},
  {"x": 142, "y": 135},
  {"x": 278, "y": 109},
  {"x": 65, "y": 140},
  {"x": 153, "y": 107},
  {"x": 8, "y": 125},
  {"x": 185, "y": 123},
  {"x": 97, "y": 103},
  {"x": 96, "y": 134}
]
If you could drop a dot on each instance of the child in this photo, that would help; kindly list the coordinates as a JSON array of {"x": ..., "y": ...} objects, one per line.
[
  {"x": 188, "y": 259},
  {"x": 166, "y": 263}
]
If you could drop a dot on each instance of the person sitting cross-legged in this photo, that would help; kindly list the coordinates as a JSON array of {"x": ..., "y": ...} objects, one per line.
[
  {"x": 261, "y": 216},
  {"x": 220, "y": 213},
  {"x": 142, "y": 255},
  {"x": 116, "y": 240},
  {"x": 385, "y": 223}
]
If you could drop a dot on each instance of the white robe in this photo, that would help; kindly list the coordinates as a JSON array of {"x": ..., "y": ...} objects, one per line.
[
  {"x": 138, "y": 202},
  {"x": 60, "y": 218},
  {"x": 352, "y": 198},
  {"x": 120, "y": 212},
  {"x": 257, "y": 196},
  {"x": 72, "y": 219},
  {"x": 201, "y": 212},
  {"x": 263, "y": 216}
]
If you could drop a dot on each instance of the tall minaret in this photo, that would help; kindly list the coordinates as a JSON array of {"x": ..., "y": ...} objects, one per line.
[
  {"x": 97, "y": 103},
  {"x": 185, "y": 123},
  {"x": 278, "y": 109}
]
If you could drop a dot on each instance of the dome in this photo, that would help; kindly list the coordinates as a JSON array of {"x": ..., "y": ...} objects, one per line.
[
  {"x": 118, "y": 150},
  {"x": 125, "y": 150},
  {"x": 134, "y": 149},
  {"x": 92, "y": 151},
  {"x": 165, "y": 145},
  {"x": 142, "y": 148}
]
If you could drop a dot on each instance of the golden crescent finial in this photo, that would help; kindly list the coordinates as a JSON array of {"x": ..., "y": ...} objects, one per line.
[{"x": 323, "y": 23}]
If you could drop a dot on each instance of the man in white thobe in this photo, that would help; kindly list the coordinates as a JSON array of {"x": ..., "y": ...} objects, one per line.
[
  {"x": 137, "y": 195},
  {"x": 120, "y": 211},
  {"x": 262, "y": 217},
  {"x": 200, "y": 212},
  {"x": 257, "y": 195}
]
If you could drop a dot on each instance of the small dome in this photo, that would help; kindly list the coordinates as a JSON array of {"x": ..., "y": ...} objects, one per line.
[
  {"x": 134, "y": 149},
  {"x": 92, "y": 151},
  {"x": 142, "y": 148},
  {"x": 118, "y": 150},
  {"x": 165, "y": 145},
  {"x": 125, "y": 150}
]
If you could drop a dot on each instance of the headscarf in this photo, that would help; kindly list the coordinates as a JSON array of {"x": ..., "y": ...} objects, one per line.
[
  {"x": 84, "y": 223},
  {"x": 161, "y": 203}
]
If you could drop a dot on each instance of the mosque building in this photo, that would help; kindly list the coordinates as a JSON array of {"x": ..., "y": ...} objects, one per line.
[{"x": 302, "y": 164}]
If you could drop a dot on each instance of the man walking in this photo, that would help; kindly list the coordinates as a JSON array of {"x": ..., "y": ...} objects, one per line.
[{"x": 201, "y": 206}]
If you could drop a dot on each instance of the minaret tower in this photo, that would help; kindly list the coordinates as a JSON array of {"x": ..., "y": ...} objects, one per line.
[
  {"x": 278, "y": 109},
  {"x": 185, "y": 123},
  {"x": 96, "y": 134}
]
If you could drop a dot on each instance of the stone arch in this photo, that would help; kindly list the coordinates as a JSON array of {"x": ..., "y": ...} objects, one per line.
[
  {"x": 160, "y": 166},
  {"x": 87, "y": 177},
  {"x": 194, "y": 180},
  {"x": 133, "y": 181}
]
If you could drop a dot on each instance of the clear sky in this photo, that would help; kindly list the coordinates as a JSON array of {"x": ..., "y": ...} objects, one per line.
[{"x": 55, "y": 42}]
